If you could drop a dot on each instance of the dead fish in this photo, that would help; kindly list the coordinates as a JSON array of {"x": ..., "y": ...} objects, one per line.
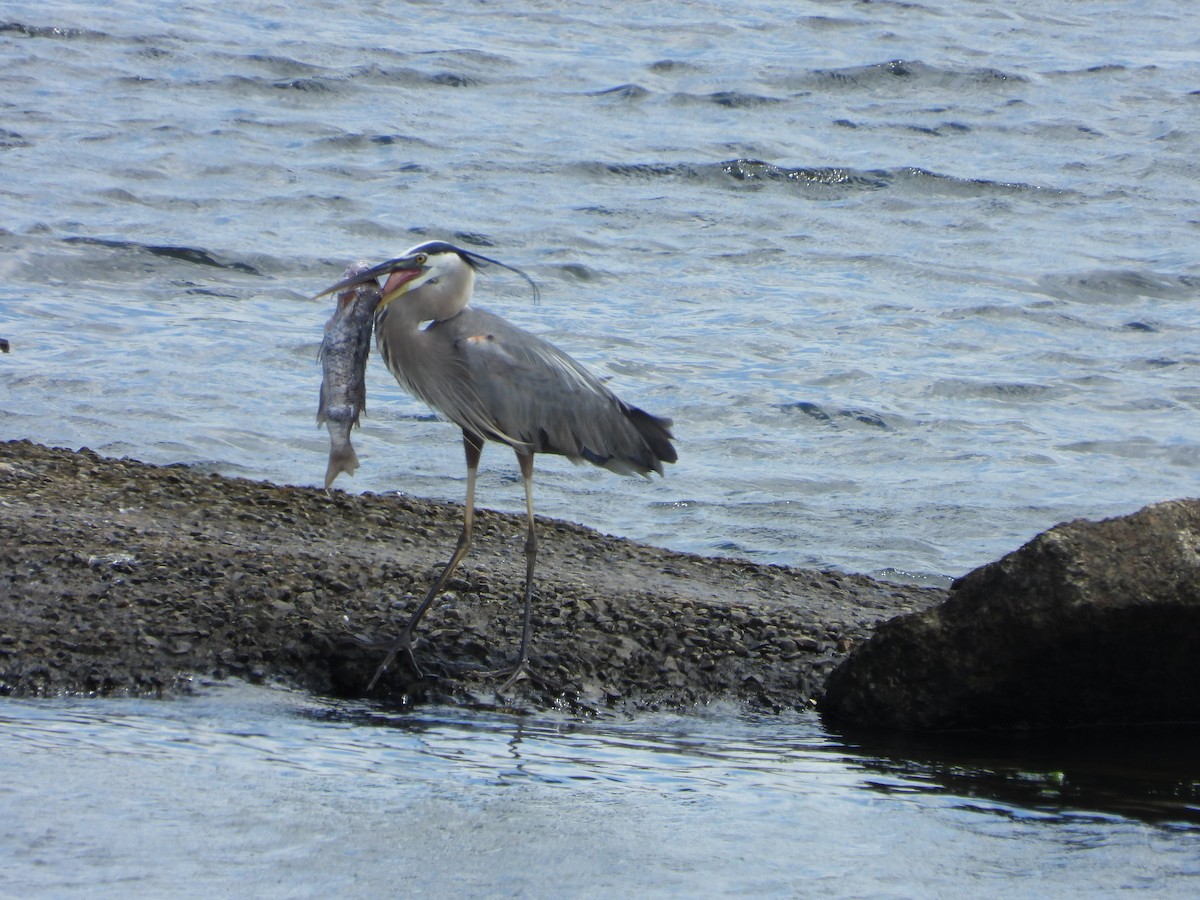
[{"x": 343, "y": 356}]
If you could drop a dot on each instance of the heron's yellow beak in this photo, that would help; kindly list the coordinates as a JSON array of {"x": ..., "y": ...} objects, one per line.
[{"x": 398, "y": 282}]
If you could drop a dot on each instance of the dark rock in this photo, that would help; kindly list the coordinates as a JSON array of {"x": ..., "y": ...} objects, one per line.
[{"x": 1089, "y": 623}]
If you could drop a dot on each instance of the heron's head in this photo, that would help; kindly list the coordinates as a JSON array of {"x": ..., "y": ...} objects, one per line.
[
  {"x": 438, "y": 276},
  {"x": 433, "y": 268}
]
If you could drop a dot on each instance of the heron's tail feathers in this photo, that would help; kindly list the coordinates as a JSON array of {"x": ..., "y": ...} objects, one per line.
[
  {"x": 639, "y": 451},
  {"x": 657, "y": 434}
]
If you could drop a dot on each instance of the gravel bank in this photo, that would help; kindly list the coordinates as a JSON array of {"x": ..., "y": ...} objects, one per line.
[{"x": 121, "y": 577}]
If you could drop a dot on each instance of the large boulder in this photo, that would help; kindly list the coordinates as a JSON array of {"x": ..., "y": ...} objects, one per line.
[{"x": 1089, "y": 623}]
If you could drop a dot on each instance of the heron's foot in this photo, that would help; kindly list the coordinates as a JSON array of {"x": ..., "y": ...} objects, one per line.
[
  {"x": 524, "y": 671},
  {"x": 520, "y": 673},
  {"x": 392, "y": 649}
]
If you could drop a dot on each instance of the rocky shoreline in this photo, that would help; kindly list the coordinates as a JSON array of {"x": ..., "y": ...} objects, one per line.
[
  {"x": 1090, "y": 623},
  {"x": 118, "y": 577}
]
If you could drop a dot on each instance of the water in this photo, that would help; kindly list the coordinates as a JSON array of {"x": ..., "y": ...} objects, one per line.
[
  {"x": 256, "y": 792},
  {"x": 916, "y": 282}
]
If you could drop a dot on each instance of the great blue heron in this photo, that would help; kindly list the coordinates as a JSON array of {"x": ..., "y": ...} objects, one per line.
[{"x": 497, "y": 382}]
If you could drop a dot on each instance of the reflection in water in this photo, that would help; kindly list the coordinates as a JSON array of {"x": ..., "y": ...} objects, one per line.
[
  {"x": 275, "y": 793},
  {"x": 1152, "y": 774},
  {"x": 1149, "y": 774}
]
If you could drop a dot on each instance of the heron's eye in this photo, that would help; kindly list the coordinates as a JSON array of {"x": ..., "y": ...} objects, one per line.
[{"x": 422, "y": 259}]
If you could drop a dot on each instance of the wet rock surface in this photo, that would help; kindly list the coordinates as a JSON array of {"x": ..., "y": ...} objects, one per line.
[
  {"x": 1089, "y": 623},
  {"x": 121, "y": 577}
]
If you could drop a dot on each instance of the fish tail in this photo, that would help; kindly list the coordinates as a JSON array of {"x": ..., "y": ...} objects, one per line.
[{"x": 341, "y": 459}]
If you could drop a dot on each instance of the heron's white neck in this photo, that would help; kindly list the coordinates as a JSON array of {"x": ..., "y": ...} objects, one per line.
[{"x": 442, "y": 296}]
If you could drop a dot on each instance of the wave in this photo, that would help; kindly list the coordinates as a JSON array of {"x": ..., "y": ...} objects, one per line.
[
  {"x": 1090, "y": 71},
  {"x": 754, "y": 173},
  {"x": 740, "y": 170},
  {"x": 327, "y": 82},
  {"x": 944, "y": 129},
  {"x": 909, "y": 73},
  {"x": 728, "y": 99},
  {"x": 837, "y": 417},
  {"x": 1117, "y": 286},
  {"x": 357, "y": 139},
  {"x": 406, "y": 76},
  {"x": 193, "y": 255},
  {"x": 281, "y": 66},
  {"x": 308, "y": 85},
  {"x": 1000, "y": 391},
  {"x": 49, "y": 31},
  {"x": 622, "y": 92},
  {"x": 11, "y": 139},
  {"x": 874, "y": 78}
]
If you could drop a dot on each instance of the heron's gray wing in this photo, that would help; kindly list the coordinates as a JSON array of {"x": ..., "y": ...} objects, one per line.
[{"x": 534, "y": 394}]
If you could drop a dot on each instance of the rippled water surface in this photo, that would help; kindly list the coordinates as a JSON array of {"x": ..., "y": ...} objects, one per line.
[
  {"x": 254, "y": 792},
  {"x": 916, "y": 281}
]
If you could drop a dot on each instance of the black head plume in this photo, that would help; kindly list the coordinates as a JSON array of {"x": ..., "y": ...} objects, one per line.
[{"x": 474, "y": 260}]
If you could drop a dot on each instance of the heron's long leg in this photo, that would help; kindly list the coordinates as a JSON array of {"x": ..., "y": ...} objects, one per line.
[
  {"x": 473, "y": 448},
  {"x": 521, "y": 669}
]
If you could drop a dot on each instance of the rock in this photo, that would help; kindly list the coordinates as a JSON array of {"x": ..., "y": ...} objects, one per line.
[{"x": 1089, "y": 623}]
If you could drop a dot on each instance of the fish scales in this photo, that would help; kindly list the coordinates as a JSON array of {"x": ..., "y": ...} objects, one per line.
[{"x": 344, "y": 352}]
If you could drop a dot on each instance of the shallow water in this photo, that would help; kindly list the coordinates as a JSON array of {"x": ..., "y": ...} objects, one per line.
[
  {"x": 252, "y": 791},
  {"x": 915, "y": 281}
]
